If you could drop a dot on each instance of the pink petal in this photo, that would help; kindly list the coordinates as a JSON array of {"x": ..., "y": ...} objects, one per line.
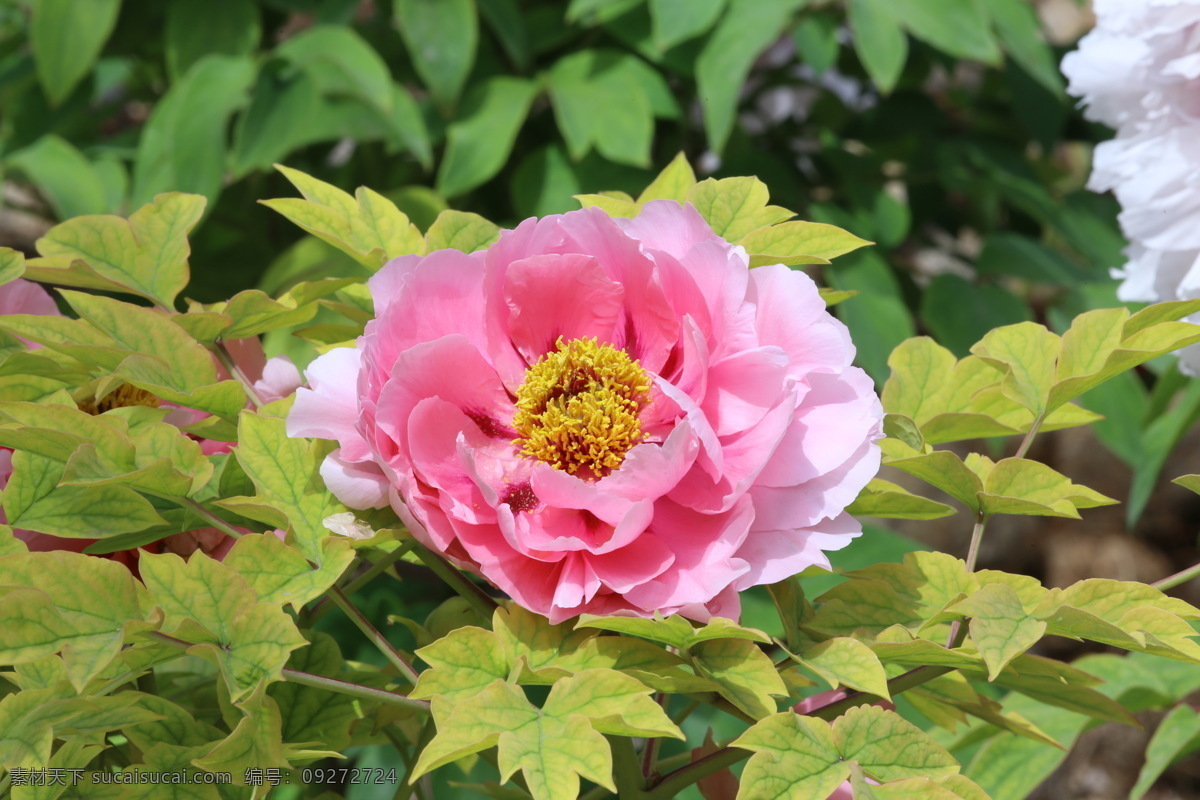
[
  {"x": 559, "y": 295},
  {"x": 777, "y": 554}
]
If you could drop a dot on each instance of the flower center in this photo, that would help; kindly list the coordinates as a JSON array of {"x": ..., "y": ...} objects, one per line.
[
  {"x": 578, "y": 407},
  {"x": 123, "y": 396}
]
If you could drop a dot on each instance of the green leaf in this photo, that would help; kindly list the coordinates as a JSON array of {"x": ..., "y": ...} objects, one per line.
[
  {"x": 909, "y": 594},
  {"x": 799, "y": 242},
  {"x": 1177, "y": 735},
  {"x": 441, "y": 36},
  {"x": 1000, "y": 627},
  {"x": 743, "y": 674},
  {"x": 879, "y": 40},
  {"x": 673, "y": 183},
  {"x": 615, "y": 704},
  {"x": 1103, "y": 343},
  {"x": 310, "y": 714},
  {"x": 256, "y": 740},
  {"x": 946, "y": 471},
  {"x": 816, "y": 40},
  {"x": 1021, "y": 486},
  {"x": 33, "y": 501},
  {"x": 882, "y": 498},
  {"x": 733, "y": 207},
  {"x": 257, "y": 313},
  {"x": 794, "y": 755},
  {"x": 676, "y": 21},
  {"x": 848, "y": 662},
  {"x": 285, "y": 472},
  {"x": 464, "y": 663},
  {"x": 249, "y": 640},
  {"x": 12, "y": 265},
  {"x": 1026, "y": 353},
  {"x": 145, "y": 255},
  {"x": 478, "y": 143},
  {"x": 1020, "y": 31},
  {"x": 960, "y": 312},
  {"x": 744, "y": 32},
  {"x": 342, "y": 64},
  {"x": 67, "y": 39},
  {"x": 889, "y": 747},
  {"x": 58, "y": 611},
  {"x": 460, "y": 230},
  {"x": 278, "y": 574},
  {"x": 367, "y": 227},
  {"x": 285, "y": 110},
  {"x": 164, "y": 354},
  {"x": 193, "y": 32},
  {"x": 64, "y": 176},
  {"x": 589, "y": 79},
  {"x": 183, "y": 144},
  {"x": 957, "y": 27},
  {"x": 552, "y": 751},
  {"x": 952, "y": 400}
]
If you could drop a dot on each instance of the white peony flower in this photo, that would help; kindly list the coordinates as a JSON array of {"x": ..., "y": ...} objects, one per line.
[{"x": 1139, "y": 72}]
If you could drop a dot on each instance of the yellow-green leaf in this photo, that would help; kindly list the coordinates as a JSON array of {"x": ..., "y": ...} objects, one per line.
[
  {"x": 734, "y": 207},
  {"x": 552, "y": 752},
  {"x": 57, "y": 610},
  {"x": 1000, "y": 627},
  {"x": 1026, "y": 353},
  {"x": 12, "y": 265},
  {"x": 146, "y": 255},
  {"x": 367, "y": 226},
  {"x": 889, "y": 747},
  {"x": 799, "y": 242},
  {"x": 280, "y": 574},
  {"x": 460, "y": 230},
  {"x": 1021, "y": 486},
  {"x": 848, "y": 662},
  {"x": 673, "y": 183},
  {"x": 881, "y": 498},
  {"x": 464, "y": 663},
  {"x": 743, "y": 674},
  {"x": 616, "y": 704},
  {"x": 794, "y": 756}
]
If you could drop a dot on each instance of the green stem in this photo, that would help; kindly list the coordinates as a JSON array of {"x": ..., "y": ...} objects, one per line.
[
  {"x": 226, "y": 359},
  {"x": 355, "y": 690},
  {"x": 627, "y": 770},
  {"x": 650, "y": 751},
  {"x": 1028, "y": 440},
  {"x": 958, "y": 630},
  {"x": 208, "y": 516},
  {"x": 321, "y": 682},
  {"x": 423, "y": 739},
  {"x": 483, "y": 605},
  {"x": 675, "y": 782},
  {"x": 382, "y": 565},
  {"x": 898, "y": 684},
  {"x": 976, "y": 538},
  {"x": 378, "y": 639},
  {"x": 1172, "y": 581}
]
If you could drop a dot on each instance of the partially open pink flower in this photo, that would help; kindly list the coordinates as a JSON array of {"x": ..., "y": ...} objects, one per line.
[{"x": 603, "y": 415}]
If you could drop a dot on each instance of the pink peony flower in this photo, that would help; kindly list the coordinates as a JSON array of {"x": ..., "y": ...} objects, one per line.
[{"x": 603, "y": 415}]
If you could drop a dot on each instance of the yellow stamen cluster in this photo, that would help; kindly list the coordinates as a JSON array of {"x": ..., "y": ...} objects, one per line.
[
  {"x": 123, "y": 396},
  {"x": 578, "y": 407}
]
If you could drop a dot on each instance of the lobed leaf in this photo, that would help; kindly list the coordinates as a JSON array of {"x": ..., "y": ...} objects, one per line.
[
  {"x": 368, "y": 227},
  {"x": 146, "y": 255}
]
